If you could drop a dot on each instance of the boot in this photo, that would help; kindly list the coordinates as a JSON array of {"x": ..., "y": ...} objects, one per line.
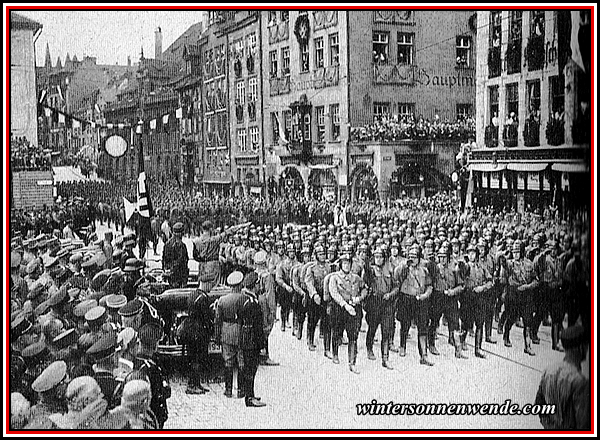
[
  {"x": 336, "y": 347},
  {"x": 556, "y": 337},
  {"x": 385, "y": 354},
  {"x": 352, "y": 354},
  {"x": 243, "y": 382},
  {"x": 507, "y": 328},
  {"x": 228, "y": 382},
  {"x": 295, "y": 325},
  {"x": 300, "y": 329},
  {"x": 370, "y": 354},
  {"x": 488, "y": 333},
  {"x": 451, "y": 339},
  {"x": 458, "y": 349},
  {"x": 434, "y": 351},
  {"x": 311, "y": 343},
  {"x": 402, "y": 350},
  {"x": 534, "y": 337},
  {"x": 478, "y": 341},
  {"x": 327, "y": 346},
  {"x": 527, "y": 340},
  {"x": 423, "y": 351}
]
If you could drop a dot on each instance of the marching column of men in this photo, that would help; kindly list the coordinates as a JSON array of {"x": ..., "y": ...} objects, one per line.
[{"x": 66, "y": 297}]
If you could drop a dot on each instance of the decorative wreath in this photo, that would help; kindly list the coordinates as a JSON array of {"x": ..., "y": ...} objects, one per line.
[{"x": 302, "y": 29}]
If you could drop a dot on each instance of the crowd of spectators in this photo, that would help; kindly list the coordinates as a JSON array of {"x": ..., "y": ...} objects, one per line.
[
  {"x": 394, "y": 129},
  {"x": 25, "y": 156}
]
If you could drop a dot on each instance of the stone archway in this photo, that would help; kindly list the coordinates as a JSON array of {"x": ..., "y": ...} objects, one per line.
[
  {"x": 322, "y": 184},
  {"x": 364, "y": 183}
]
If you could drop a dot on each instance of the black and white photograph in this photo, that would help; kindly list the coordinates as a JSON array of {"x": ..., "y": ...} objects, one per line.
[{"x": 269, "y": 219}]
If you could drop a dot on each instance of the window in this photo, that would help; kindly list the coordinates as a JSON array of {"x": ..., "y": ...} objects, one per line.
[
  {"x": 380, "y": 47},
  {"x": 380, "y": 109},
  {"x": 494, "y": 105},
  {"x": 240, "y": 95},
  {"x": 320, "y": 111},
  {"x": 285, "y": 60},
  {"x": 463, "y": 111},
  {"x": 334, "y": 49},
  {"x": 307, "y": 127},
  {"x": 533, "y": 96},
  {"x": 334, "y": 111},
  {"x": 254, "y": 138},
  {"x": 512, "y": 100},
  {"x": 251, "y": 44},
  {"x": 515, "y": 30},
  {"x": 253, "y": 89},
  {"x": 287, "y": 118},
  {"x": 537, "y": 23},
  {"x": 495, "y": 29},
  {"x": 405, "y": 110},
  {"x": 304, "y": 57},
  {"x": 463, "y": 51},
  {"x": 557, "y": 95},
  {"x": 274, "y": 60},
  {"x": 405, "y": 48},
  {"x": 275, "y": 127},
  {"x": 513, "y": 51},
  {"x": 272, "y": 18},
  {"x": 285, "y": 15},
  {"x": 242, "y": 139},
  {"x": 319, "y": 53}
]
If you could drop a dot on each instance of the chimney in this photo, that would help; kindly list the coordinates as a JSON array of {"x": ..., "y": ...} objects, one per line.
[{"x": 157, "y": 43}]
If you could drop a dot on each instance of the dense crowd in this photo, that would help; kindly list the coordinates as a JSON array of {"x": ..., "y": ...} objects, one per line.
[
  {"x": 25, "y": 156},
  {"x": 394, "y": 129},
  {"x": 85, "y": 330}
]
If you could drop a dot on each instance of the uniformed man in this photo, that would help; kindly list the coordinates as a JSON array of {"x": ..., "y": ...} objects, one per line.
[
  {"x": 228, "y": 326},
  {"x": 415, "y": 288},
  {"x": 132, "y": 278},
  {"x": 148, "y": 337},
  {"x": 379, "y": 306},
  {"x": 348, "y": 291},
  {"x": 490, "y": 296},
  {"x": 549, "y": 276},
  {"x": 50, "y": 385},
  {"x": 565, "y": 387},
  {"x": 196, "y": 339},
  {"x": 266, "y": 297},
  {"x": 252, "y": 339},
  {"x": 175, "y": 258},
  {"x": 299, "y": 298},
  {"x": 103, "y": 356},
  {"x": 519, "y": 300},
  {"x": 284, "y": 281},
  {"x": 316, "y": 304},
  {"x": 477, "y": 287}
]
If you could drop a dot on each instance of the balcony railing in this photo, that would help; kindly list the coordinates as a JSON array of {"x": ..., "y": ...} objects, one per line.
[
  {"x": 394, "y": 17},
  {"x": 491, "y": 136},
  {"x": 326, "y": 77},
  {"x": 394, "y": 74},
  {"x": 325, "y": 19},
  {"x": 555, "y": 132},
  {"x": 510, "y": 135},
  {"x": 531, "y": 133}
]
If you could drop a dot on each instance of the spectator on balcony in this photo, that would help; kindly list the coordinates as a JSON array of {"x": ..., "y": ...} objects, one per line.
[
  {"x": 510, "y": 134},
  {"x": 495, "y": 120},
  {"x": 496, "y": 39}
]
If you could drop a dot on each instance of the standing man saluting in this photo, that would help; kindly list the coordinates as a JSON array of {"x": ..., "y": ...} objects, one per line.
[{"x": 175, "y": 258}]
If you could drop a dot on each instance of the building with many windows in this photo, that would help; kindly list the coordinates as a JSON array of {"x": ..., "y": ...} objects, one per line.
[{"x": 533, "y": 108}]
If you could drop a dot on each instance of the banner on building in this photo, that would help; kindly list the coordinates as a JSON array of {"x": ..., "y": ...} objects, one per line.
[
  {"x": 495, "y": 180},
  {"x": 504, "y": 181},
  {"x": 521, "y": 180},
  {"x": 533, "y": 181}
]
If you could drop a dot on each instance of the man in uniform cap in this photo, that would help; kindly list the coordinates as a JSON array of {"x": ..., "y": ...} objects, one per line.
[
  {"x": 113, "y": 305},
  {"x": 20, "y": 285},
  {"x": 299, "y": 299},
  {"x": 565, "y": 387},
  {"x": 175, "y": 258},
  {"x": 266, "y": 298},
  {"x": 50, "y": 385},
  {"x": 131, "y": 315},
  {"x": 316, "y": 305},
  {"x": 284, "y": 281},
  {"x": 148, "y": 337},
  {"x": 228, "y": 326},
  {"x": 104, "y": 360}
]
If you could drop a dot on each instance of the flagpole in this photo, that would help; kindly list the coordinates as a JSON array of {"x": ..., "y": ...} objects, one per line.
[{"x": 143, "y": 245}]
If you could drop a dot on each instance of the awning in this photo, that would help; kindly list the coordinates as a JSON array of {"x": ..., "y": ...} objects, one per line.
[
  {"x": 571, "y": 167},
  {"x": 535, "y": 167},
  {"x": 487, "y": 167}
]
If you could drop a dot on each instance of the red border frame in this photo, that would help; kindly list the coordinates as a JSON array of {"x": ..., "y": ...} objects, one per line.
[{"x": 8, "y": 9}]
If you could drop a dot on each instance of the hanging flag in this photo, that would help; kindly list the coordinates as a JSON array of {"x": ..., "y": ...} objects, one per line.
[
  {"x": 60, "y": 93},
  {"x": 166, "y": 123},
  {"x": 179, "y": 113},
  {"x": 576, "y": 49},
  {"x": 61, "y": 118},
  {"x": 76, "y": 123},
  {"x": 47, "y": 112},
  {"x": 282, "y": 138},
  {"x": 130, "y": 208},
  {"x": 153, "y": 124},
  {"x": 97, "y": 107},
  {"x": 144, "y": 205},
  {"x": 43, "y": 94}
]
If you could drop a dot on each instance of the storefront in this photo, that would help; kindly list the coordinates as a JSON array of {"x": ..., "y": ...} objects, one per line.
[
  {"x": 322, "y": 183},
  {"x": 291, "y": 183},
  {"x": 363, "y": 183}
]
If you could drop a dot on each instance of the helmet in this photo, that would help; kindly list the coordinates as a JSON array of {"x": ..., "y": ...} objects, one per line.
[
  {"x": 481, "y": 243},
  {"x": 413, "y": 252},
  {"x": 516, "y": 245},
  {"x": 345, "y": 257},
  {"x": 306, "y": 250},
  {"x": 378, "y": 252},
  {"x": 290, "y": 247},
  {"x": 443, "y": 252},
  {"x": 319, "y": 249},
  {"x": 471, "y": 248},
  {"x": 279, "y": 244}
]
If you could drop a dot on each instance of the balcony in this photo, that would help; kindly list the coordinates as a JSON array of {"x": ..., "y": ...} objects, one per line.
[
  {"x": 494, "y": 62},
  {"x": 555, "y": 132},
  {"x": 513, "y": 57},
  {"x": 535, "y": 52},
  {"x": 325, "y": 19},
  {"x": 326, "y": 77},
  {"x": 279, "y": 86},
  {"x": 394, "y": 17},
  {"x": 491, "y": 136},
  {"x": 279, "y": 32},
  {"x": 403, "y": 74}
]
